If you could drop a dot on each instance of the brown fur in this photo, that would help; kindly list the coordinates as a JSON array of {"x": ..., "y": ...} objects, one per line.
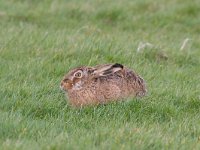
[{"x": 102, "y": 84}]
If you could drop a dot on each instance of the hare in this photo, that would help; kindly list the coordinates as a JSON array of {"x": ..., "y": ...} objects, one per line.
[{"x": 102, "y": 84}]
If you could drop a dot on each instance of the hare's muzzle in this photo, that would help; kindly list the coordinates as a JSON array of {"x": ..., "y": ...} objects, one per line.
[{"x": 66, "y": 85}]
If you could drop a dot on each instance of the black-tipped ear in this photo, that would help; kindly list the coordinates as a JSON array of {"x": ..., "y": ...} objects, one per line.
[
  {"x": 117, "y": 65},
  {"x": 108, "y": 69}
]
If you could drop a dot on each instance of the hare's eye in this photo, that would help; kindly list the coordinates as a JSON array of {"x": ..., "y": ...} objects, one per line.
[{"x": 78, "y": 74}]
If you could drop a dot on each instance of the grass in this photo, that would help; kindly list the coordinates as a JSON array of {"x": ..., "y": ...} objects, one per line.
[{"x": 41, "y": 40}]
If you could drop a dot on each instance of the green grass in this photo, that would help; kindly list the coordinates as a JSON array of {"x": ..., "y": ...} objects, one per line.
[{"x": 41, "y": 40}]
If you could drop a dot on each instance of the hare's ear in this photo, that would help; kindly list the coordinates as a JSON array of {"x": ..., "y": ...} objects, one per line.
[{"x": 109, "y": 69}]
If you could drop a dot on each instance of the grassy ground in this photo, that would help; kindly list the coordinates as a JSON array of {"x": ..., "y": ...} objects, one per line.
[{"x": 41, "y": 40}]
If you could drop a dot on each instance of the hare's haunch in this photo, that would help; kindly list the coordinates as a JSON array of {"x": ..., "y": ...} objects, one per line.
[{"x": 102, "y": 84}]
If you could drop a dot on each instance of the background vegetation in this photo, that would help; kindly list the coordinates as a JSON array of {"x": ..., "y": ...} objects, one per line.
[{"x": 41, "y": 40}]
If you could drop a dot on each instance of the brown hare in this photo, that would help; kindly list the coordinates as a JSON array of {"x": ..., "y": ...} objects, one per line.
[{"x": 102, "y": 84}]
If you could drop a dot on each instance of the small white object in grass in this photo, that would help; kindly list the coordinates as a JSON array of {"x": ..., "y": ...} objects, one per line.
[
  {"x": 141, "y": 46},
  {"x": 184, "y": 43}
]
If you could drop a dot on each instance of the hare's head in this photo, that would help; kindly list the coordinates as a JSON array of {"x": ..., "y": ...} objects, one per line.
[
  {"x": 80, "y": 76},
  {"x": 75, "y": 78}
]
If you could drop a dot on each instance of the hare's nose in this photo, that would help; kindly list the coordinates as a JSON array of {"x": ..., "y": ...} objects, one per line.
[{"x": 62, "y": 85}]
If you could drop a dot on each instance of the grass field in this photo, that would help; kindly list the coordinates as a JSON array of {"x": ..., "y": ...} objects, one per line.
[{"x": 41, "y": 40}]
